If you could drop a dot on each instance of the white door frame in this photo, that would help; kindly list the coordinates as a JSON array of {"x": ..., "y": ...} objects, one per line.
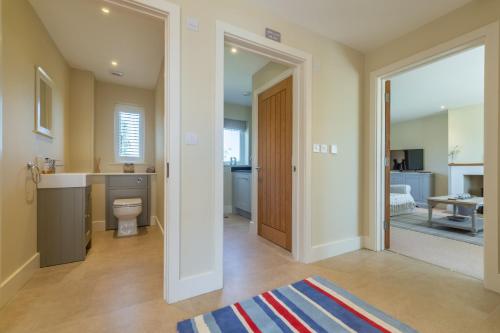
[
  {"x": 489, "y": 37},
  {"x": 170, "y": 12},
  {"x": 301, "y": 157}
]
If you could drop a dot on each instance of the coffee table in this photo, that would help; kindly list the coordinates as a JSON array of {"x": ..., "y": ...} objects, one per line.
[{"x": 471, "y": 223}]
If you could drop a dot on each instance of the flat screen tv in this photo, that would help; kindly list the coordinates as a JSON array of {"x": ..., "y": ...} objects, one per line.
[{"x": 407, "y": 159}]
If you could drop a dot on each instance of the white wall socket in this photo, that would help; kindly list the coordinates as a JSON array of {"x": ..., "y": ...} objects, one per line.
[
  {"x": 316, "y": 148},
  {"x": 324, "y": 149},
  {"x": 334, "y": 149}
]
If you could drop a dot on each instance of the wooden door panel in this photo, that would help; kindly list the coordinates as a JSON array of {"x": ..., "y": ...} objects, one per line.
[{"x": 275, "y": 162}]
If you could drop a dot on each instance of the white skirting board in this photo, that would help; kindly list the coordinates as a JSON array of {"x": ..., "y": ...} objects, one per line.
[
  {"x": 156, "y": 222},
  {"x": 335, "y": 248},
  {"x": 18, "y": 279},
  {"x": 454, "y": 255},
  {"x": 98, "y": 225}
]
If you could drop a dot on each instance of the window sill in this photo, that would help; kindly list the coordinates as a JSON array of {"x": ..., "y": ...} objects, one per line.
[{"x": 135, "y": 163}]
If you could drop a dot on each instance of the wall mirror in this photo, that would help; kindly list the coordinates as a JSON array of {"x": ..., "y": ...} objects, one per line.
[{"x": 43, "y": 103}]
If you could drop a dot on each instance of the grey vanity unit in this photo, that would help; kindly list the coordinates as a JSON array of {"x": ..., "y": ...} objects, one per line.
[
  {"x": 422, "y": 184},
  {"x": 64, "y": 224},
  {"x": 127, "y": 186},
  {"x": 242, "y": 191}
]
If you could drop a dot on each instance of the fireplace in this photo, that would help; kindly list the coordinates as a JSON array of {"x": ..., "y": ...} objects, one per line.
[
  {"x": 473, "y": 184},
  {"x": 465, "y": 178}
]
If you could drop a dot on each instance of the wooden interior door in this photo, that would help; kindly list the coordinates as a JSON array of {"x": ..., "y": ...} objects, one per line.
[
  {"x": 275, "y": 164},
  {"x": 387, "y": 191}
]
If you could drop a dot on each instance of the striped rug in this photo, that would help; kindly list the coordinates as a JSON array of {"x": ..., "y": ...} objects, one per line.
[{"x": 310, "y": 305}]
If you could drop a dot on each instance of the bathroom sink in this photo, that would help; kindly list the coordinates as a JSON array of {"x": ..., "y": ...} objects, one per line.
[{"x": 62, "y": 180}]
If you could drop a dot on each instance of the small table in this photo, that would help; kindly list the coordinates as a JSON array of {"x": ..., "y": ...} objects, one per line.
[{"x": 472, "y": 224}]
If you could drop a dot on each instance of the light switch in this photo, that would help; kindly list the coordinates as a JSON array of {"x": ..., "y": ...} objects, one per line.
[
  {"x": 191, "y": 138},
  {"x": 193, "y": 24},
  {"x": 324, "y": 149},
  {"x": 316, "y": 148},
  {"x": 334, "y": 149}
]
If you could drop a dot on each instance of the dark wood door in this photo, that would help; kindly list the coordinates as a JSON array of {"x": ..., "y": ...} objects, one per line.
[
  {"x": 387, "y": 208},
  {"x": 275, "y": 164}
]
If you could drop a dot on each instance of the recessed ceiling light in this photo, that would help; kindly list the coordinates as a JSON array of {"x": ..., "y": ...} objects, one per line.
[
  {"x": 114, "y": 63},
  {"x": 234, "y": 50},
  {"x": 247, "y": 93},
  {"x": 443, "y": 107},
  {"x": 105, "y": 10}
]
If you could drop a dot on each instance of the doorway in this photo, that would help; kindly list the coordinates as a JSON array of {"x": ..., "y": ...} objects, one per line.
[
  {"x": 258, "y": 132},
  {"x": 487, "y": 36},
  {"x": 434, "y": 144},
  {"x": 301, "y": 70}
]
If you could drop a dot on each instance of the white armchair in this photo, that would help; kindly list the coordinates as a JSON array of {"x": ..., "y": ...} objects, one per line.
[
  {"x": 402, "y": 201},
  {"x": 401, "y": 189}
]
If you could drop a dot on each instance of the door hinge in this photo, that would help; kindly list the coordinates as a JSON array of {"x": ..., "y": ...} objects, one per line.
[
  {"x": 386, "y": 224},
  {"x": 387, "y": 97},
  {"x": 168, "y": 170}
]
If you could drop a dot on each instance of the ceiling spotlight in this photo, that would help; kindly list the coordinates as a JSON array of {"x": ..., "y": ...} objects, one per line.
[
  {"x": 443, "y": 107},
  {"x": 247, "y": 93},
  {"x": 105, "y": 10},
  {"x": 234, "y": 50},
  {"x": 114, "y": 63}
]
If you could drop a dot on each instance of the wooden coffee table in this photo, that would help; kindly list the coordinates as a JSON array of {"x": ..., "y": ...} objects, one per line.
[{"x": 472, "y": 223}]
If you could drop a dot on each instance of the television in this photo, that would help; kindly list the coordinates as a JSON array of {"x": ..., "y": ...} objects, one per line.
[{"x": 407, "y": 159}]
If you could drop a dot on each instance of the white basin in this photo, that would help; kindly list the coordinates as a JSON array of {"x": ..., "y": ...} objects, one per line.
[{"x": 61, "y": 180}]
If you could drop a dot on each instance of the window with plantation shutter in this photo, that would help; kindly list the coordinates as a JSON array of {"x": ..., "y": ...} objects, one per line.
[{"x": 129, "y": 134}]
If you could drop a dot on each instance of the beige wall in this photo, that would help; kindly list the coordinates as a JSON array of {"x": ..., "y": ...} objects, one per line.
[
  {"x": 410, "y": 135},
  {"x": 466, "y": 131},
  {"x": 107, "y": 95},
  {"x": 336, "y": 118},
  {"x": 26, "y": 44},
  {"x": 159, "y": 179},
  {"x": 267, "y": 73},
  {"x": 81, "y": 122}
]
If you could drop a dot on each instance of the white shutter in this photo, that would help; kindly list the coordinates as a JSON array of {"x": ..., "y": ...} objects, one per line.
[{"x": 129, "y": 131}]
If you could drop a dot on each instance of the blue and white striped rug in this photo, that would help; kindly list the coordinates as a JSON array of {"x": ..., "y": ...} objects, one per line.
[{"x": 310, "y": 305}]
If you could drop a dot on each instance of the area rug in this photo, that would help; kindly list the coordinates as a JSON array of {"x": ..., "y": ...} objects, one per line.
[{"x": 310, "y": 305}]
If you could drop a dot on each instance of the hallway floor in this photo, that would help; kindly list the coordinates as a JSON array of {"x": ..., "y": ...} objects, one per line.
[{"x": 119, "y": 287}]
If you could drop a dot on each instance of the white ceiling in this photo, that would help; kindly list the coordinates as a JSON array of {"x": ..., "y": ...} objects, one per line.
[
  {"x": 238, "y": 71},
  {"x": 361, "y": 24},
  {"x": 90, "y": 40},
  {"x": 451, "y": 82}
]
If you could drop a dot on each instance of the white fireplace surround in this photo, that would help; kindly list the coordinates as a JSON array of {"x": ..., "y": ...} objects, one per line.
[{"x": 456, "y": 176}]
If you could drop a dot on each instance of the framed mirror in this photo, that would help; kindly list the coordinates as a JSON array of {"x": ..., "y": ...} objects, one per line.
[{"x": 43, "y": 102}]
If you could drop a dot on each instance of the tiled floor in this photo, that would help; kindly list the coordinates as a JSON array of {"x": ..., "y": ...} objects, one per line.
[{"x": 119, "y": 288}]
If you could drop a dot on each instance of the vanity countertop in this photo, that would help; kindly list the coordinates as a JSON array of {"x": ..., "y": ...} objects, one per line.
[{"x": 67, "y": 180}]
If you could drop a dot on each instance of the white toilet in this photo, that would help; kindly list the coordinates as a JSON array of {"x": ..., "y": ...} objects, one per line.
[{"x": 126, "y": 211}]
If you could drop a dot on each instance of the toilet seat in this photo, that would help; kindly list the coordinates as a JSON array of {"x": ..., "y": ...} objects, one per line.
[{"x": 131, "y": 202}]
